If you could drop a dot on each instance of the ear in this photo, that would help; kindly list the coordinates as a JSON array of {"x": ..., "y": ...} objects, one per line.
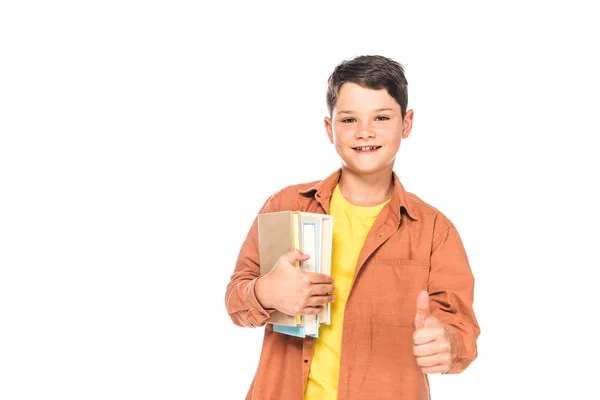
[
  {"x": 329, "y": 129},
  {"x": 407, "y": 123}
]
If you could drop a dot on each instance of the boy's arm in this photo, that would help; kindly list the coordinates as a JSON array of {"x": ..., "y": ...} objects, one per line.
[
  {"x": 451, "y": 286},
  {"x": 240, "y": 299}
]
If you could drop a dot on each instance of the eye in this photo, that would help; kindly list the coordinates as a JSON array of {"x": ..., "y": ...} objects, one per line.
[
  {"x": 348, "y": 120},
  {"x": 381, "y": 118}
]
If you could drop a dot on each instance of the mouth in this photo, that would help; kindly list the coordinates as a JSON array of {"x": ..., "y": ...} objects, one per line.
[{"x": 366, "y": 149}]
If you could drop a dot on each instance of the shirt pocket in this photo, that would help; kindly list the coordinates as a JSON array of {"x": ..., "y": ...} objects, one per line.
[{"x": 395, "y": 289}]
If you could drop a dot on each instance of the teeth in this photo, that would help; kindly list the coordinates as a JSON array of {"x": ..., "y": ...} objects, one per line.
[{"x": 367, "y": 148}]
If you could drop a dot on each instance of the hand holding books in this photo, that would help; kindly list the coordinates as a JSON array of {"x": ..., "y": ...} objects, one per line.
[
  {"x": 293, "y": 291},
  {"x": 295, "y": 268}
]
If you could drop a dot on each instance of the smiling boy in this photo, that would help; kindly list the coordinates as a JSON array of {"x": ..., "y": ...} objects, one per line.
[{"x": 400, "y": 278}]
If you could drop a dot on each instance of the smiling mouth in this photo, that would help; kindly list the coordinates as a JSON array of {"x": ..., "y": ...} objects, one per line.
[{"x": 366, "y": 149}]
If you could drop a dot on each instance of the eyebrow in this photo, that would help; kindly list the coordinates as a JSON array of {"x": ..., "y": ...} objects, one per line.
[{"x": 378, "y": 110}]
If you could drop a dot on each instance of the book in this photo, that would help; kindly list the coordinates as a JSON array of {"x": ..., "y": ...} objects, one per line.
[{"x": 311, "y": 233}]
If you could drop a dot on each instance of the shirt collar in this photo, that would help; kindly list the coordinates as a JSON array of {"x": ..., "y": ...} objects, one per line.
[{"x": 324, "y": 189}]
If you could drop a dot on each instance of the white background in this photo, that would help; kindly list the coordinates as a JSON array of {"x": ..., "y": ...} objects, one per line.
[{"x": 139, "y": 139}]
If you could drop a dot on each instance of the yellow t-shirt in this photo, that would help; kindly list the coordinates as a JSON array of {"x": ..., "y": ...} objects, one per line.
[{"x": 351, "y": 224}]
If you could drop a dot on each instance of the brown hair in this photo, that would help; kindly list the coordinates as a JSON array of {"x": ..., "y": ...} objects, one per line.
[{"x": 374, "y": 72}]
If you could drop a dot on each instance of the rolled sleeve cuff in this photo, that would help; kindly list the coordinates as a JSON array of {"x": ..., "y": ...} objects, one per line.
[
  {"x": 257, "y": 315},
  {"x": 459, "y": 360}
]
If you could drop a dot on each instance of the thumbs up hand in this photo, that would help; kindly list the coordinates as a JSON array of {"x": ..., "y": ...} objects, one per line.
[{"x": 432, "y": 346}]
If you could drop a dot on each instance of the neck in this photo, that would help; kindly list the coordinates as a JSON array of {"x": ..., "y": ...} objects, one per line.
[{"x": 366, "y": 190}]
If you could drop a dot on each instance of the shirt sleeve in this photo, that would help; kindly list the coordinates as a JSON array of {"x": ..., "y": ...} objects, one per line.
[
  {"x": 451, "y": 290},
  {"x": 240, "y": 299}
]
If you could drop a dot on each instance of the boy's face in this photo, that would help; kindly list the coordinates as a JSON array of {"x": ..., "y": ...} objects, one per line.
[{"x": 364, "y": 117}]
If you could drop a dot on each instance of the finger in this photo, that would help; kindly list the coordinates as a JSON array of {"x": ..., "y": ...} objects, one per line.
[
  {"x": 426, "y": 335},
  {"x": 312, "y": 310},
  {"x": 320, "y": 289},
  {"x": 432, "y": 361},
  {"x": 320, "y": 300},
  {"x": 431, "y": 348},
  {"x": 422, "y": 309},
  {"x": 319, "y": 278}
]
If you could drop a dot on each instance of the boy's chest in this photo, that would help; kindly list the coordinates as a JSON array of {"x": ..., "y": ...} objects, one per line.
[
  {"x": 386, "y": 284},
  {"x": 378, "y": 240},
  {"x": 390, "y": 264}
]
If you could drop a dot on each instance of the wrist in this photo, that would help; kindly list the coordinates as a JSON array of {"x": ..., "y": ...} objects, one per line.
[{"x": 263, "y": 294}]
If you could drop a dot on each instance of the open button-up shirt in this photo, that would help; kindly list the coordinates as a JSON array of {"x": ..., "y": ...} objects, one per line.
[{"x": 411, "y": 247}]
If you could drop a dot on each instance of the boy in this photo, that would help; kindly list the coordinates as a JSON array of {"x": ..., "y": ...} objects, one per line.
[{"x": 401, "y": 280}]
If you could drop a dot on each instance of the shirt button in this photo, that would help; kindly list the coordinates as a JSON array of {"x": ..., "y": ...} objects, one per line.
[{"x": 305, "y": 361}]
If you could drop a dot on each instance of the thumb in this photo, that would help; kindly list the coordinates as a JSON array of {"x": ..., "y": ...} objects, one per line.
[
  {"x": 423, "y": 311},
  {"x": 295, "y": 255}
]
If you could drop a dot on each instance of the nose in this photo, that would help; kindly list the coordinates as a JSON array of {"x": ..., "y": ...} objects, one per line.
[{"x": 364, "y": 130}]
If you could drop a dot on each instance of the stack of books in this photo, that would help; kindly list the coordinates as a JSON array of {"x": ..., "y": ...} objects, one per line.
[{"x": 311, "y": 233}]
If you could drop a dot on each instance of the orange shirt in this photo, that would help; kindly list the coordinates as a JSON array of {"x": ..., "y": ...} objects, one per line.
[{"x": 411, "y": 247}]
